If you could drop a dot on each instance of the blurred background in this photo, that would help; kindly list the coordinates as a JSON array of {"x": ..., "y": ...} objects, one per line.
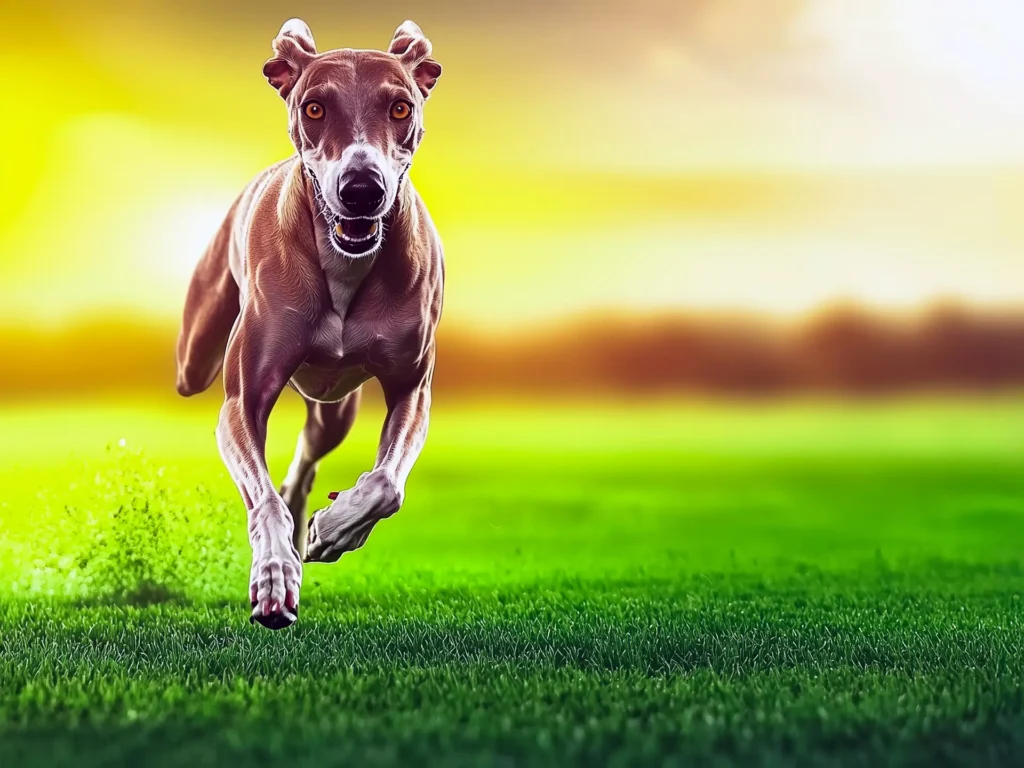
[
  {"x": 738, "y": 197},
  {"x": 725, "y": 454}
]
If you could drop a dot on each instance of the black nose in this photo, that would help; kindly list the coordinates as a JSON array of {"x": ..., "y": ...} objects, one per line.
[{"x": 362, "y": 193}]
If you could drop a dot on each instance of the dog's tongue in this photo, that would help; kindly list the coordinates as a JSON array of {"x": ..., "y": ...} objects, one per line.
[{"x": 357, "y": 229}]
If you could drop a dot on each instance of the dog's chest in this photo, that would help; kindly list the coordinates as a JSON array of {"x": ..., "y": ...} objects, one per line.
[
  {"x": 341, "y": 341},
  {"x": 371, "y": 330},
  {"x": 336, "y": 365},
  {"x": 347, "y": 352}
]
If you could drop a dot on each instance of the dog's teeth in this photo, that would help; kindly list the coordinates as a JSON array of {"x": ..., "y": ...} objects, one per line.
[
  {"x": 373, "y": 229},
  {"x": 339, "y": 230}
]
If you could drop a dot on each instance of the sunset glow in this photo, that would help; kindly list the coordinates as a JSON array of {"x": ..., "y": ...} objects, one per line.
[{"x": 715, "y": 155}]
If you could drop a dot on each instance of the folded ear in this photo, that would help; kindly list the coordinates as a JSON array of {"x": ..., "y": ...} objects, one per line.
[
  {"x": 413, "y": 49},
  {"x": 293, "y": 50}
]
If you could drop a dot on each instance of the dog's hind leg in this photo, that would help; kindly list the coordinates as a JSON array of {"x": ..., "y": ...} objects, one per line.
[
  {"x": 327, "y": 424},
  {"x": 211, "y": 308}
]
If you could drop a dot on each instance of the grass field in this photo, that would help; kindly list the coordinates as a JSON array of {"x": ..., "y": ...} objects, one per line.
[{"x": 657, "y": 584}]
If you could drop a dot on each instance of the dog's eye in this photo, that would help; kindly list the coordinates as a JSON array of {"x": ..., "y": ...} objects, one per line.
[
  {"x": 314, "y": 111},
  {"x": 400, "y": 110}
]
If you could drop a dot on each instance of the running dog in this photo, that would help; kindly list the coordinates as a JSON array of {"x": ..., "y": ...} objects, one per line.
[{"x": 327, "y": 271}]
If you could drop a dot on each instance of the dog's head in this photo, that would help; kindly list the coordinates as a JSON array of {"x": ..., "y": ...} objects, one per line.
[{"x": 356, "y": 118}]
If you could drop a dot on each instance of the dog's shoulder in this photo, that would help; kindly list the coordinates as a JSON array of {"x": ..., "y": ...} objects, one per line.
[{"x": 274, "y": 233}]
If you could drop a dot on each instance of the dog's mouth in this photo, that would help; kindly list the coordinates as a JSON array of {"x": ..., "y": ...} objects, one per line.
[{"x": 356, "y": 237}]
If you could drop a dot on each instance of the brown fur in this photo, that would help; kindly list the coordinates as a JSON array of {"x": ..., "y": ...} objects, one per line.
[{"x": 280, "y": 306}]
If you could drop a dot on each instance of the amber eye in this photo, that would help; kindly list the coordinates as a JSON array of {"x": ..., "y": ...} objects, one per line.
[
  {"x": 400, "y": 110},
  {"x": 314, "y": 111}
]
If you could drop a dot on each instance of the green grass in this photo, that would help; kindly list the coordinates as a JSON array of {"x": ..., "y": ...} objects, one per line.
[{"x": 644, "y": 584}]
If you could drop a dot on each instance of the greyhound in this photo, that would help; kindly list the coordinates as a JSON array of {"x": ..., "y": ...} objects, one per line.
[{"x": 326, "y": 272}]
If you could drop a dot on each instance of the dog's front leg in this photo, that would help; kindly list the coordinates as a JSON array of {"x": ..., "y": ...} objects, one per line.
[
  {"x": 260, "y": 360},
  {"x": 347, "y": 522}
]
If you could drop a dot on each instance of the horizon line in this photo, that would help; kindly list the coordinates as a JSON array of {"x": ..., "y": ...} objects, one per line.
[{"x": 117, "y": 314}]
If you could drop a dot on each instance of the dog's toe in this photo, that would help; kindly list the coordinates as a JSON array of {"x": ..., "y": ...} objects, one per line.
[{"x": 274, "y": 616}]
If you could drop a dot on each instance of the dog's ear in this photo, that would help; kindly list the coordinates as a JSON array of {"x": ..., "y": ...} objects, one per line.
[
  {"x": 413, "y": 50},
  {"x": 293, "y": 50}
]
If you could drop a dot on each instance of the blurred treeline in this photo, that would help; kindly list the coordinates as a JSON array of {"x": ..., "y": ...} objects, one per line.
[{"x": 842, "y": 350}]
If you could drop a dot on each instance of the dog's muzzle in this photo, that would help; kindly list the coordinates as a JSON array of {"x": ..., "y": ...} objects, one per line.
[{"x": 360, "y": 231}]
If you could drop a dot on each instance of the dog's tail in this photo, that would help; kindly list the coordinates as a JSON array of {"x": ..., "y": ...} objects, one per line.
[{"x": 211, "y": 308}]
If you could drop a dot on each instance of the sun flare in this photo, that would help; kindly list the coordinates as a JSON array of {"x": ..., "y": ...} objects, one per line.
[{"x": 810, "y": 152}]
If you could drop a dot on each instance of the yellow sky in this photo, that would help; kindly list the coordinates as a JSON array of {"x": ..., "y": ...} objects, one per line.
[{"x": 752, "y": 154}]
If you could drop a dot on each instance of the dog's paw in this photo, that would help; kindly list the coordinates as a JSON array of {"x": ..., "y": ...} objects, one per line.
[
  {"x": 274, "y": 580},
  {"x": 345, "y": 525}
]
